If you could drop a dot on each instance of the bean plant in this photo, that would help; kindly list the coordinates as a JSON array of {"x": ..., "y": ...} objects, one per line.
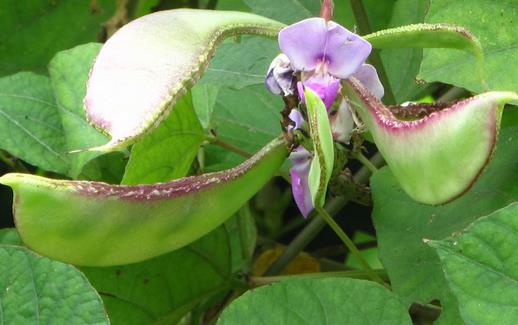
[{"x": 262, "y": 162}]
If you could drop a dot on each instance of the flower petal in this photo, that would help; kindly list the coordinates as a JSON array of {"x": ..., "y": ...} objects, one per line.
[
  {"x": 345, "y": 51},
  {"x": 301, "y": 159},
  {"x": 326, "y": 87},
  {"x": 368, "y": 76},
  {"x": 304, "y": 43},
  {"x": 279, "y": 78},
  {"x": 297, "y": 118},
  {"x": 342, "y": 123}
]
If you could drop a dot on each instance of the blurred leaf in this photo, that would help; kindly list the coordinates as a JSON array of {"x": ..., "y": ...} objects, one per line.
[
  {"x": 107, "y": 168},
  {"x": 241, "y": 64},
  {"x": 30, "y": 126},
  {"x": 402, "y": 65},
  {"x": 68, "y": 72},
  {"x": 481, "y": 267},
  {"x": 33, "y": 31},
  {"x": 170, "y": 284},
  {"x": 494, "y": 23},
  {"x": 317, "y": 301},
  {"x": 38, "y": 290},
  {"x": 167, "y": 153},
  {"x": 246, "y": 118},
  {"x": 401, "y": 224},
  {"x": 285, "y": 11},
  {"x": 242, "y": 239},
  {"x": 9, "y": 236},
  {"x": 369, "y": 254}
]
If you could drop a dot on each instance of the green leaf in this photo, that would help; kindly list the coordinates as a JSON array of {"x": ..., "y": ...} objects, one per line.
[
  {"x": 402, "y": 65},
  {"x": 30, "y": 127},
  {"x": 449, "y": 144},
  {"x": 150, "y": 291},
  {"x": 97, "y": 224},
  {"x": 143, "y": 86},
  {"x": 323, "y": 149},
  {"x": 167, "y": 153},
  {"x": 203, "y": 100},
  {"x": 481, "y": 267},
  {"x": 494, "y": 24},
  {"x": 68, "y": 73},
  {"x": 287, "y": 11},
  {"x": 317, "y": 301},
  {"x": 242, "y": 64},
  {"x": 38, "y": 290},
  {"x": 401, "y": 224},
  {"x": 9, "y": 236},
  {"x": 33, "y": 31},
  {"x": 246, "y": 118},
  {"x": 432, "y": 36}
]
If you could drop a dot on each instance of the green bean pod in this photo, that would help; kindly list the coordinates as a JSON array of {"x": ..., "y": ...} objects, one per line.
[{"x": 97, "y": 224}]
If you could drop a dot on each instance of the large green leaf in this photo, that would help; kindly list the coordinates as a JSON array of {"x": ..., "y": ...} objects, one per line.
[
  {"x": 481, "y": 268},
  {"x": 242, "y": 64},
  {"x": 68, "y": 73},
  {"x": 30, "y": 127},
  {"x": 318, "y": 301},
  {"x": 494, "y": 24},
  {"x": 33, "y": 31},
  {"x": 401, "y": 224},
  {"x": 165, "y": 287},
  {"x": 167, "y": 153},
  {"x": 449, "y": 144},
  {"x": 402, "y": 65},
  {"x": 97, "y": 224},
  {"x": 38, "y": 290},
  {"x": 286, "y": 11},
  {"x": 247, "y": 118},
  {"x": 170, "y": 50}
]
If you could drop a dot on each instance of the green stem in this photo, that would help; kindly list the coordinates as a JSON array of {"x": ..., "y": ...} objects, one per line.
[
  {"x": 317, "y": 223},
  {"x": 263, "y": 280},
  {"x": 229, "y": 146},
  {"x": 350, "y": 245},
  {"x": 364, "y": 28},
  {"x": 366, "y": 162}
]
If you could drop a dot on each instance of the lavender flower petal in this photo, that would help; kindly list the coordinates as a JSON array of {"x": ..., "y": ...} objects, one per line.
[
  {"x": 368, "y": 76},
  {"x": 297, "y": 118},
  {"x": 345, "y": 51},
  {"x": 299, "y": 172},
  {"x": 279, "y": 78},
  {"x": 304, "y": 43}
]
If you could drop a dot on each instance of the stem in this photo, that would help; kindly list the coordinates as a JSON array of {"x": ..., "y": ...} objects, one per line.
[
  {"x": 317, "y": 223},
  {"x": 364, "y": 28},
  {"x": 230, "y": 147},
  {"x": 262, "y": 280},
  {"x": 350, "y": 245},
  {"x": 366, "y": 162}
]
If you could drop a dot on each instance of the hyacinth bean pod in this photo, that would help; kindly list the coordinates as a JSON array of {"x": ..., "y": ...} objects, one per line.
[
  {"x": 430, "y": 36},
  {"x": 436, "y": 152},
  {"x": 149, "y": 63},
  {"x": 97, "y": 224}
]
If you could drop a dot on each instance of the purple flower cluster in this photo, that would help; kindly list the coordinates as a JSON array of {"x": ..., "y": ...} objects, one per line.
[{"x": 318, "y": 54}]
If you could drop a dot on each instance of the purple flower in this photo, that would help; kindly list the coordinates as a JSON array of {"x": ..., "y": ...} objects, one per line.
[
  {"x": 299, "y": 172},
  {"x": 324, "y": 47},
  {"x": 318, "y": 54}
]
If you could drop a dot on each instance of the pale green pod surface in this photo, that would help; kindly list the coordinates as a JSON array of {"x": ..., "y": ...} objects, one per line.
[
  {"x": 322, "y": 163},
  {"x": 96, "y": 224},
  {"x": 149, "y": 63},
  {"x": 430, "y": 36},
  {"x": 436, "y": 152}
]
